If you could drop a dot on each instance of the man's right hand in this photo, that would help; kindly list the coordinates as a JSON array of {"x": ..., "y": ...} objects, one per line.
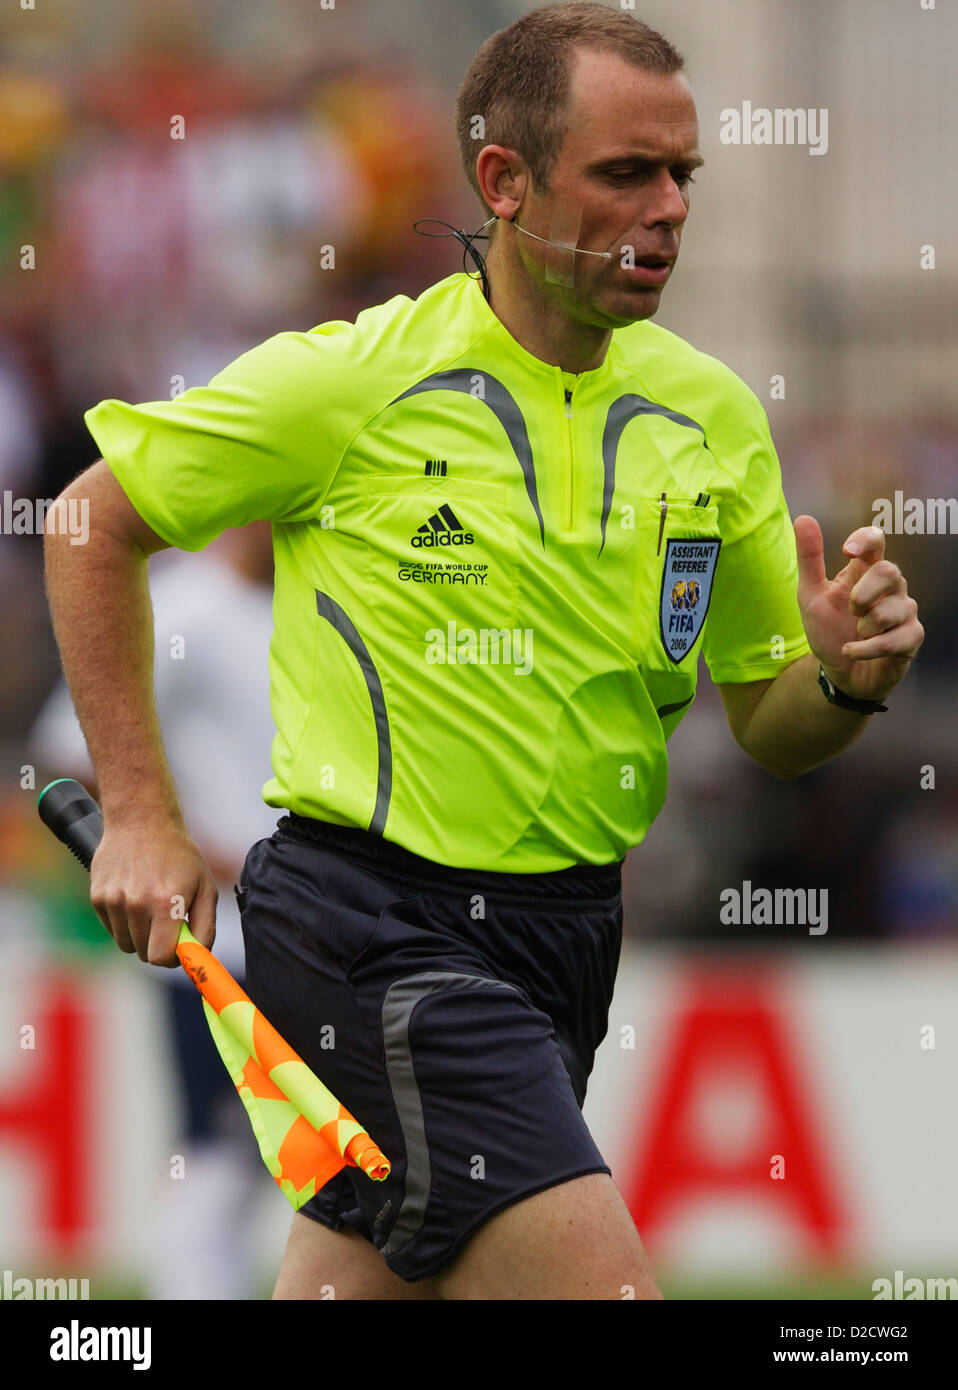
[{"x": 144, "y": 879}]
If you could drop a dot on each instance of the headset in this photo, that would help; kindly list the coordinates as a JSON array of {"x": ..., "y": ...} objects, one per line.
[{"x": 468, "y": 239}]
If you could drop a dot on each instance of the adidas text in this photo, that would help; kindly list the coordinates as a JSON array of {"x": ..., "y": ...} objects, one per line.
[
  {"x": 442, "y": 528},
  {"x": 443, "y": 538}
]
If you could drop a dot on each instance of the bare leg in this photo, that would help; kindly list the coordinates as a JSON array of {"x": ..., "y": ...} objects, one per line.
[
  {"x": 320, "y": 1263},
  {"x": 572, "y": 1241}
]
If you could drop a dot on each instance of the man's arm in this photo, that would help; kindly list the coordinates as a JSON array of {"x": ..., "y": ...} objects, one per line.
[
  {"x": 786, "y": 724},
  {"x": 100, "y": 606},
  {"x": 103, "y": 621}
]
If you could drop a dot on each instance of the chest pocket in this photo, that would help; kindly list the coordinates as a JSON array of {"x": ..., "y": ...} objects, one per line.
[
  {"x": 438, "y": 552},
  {"x": 676, "y": 563}
]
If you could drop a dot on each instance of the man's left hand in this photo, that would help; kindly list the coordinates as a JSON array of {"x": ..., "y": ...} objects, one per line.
[{"x": 862, "y": 625}]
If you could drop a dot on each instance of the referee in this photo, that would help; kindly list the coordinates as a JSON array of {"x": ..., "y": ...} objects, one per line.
[{"x": 502, "y": 513}]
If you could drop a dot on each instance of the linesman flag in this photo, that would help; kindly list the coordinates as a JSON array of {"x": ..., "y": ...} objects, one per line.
[{"x": 304, "y": 1135}]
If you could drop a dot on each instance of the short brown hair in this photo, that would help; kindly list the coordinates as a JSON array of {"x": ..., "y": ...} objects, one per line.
[{"x": 519, "y": 80}]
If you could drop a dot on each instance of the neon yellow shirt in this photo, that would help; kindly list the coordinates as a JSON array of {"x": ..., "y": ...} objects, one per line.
[{"x": 486, "y": 621}]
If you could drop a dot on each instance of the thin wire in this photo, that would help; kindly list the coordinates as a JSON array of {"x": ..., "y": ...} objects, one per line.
[{"x": 467, "y": 242}]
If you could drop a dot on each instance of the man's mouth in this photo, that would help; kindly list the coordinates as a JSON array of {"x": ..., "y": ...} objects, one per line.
[{"x": 650, "y": 270}]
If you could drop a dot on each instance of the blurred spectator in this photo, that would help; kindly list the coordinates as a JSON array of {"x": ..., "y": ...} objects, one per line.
[{"x": 213, "y": 621}]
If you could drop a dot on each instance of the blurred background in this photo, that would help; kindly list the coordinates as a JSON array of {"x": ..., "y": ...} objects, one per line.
[{"x": 154, "y": 259}]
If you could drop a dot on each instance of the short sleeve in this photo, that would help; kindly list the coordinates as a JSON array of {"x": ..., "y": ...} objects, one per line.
[
  {"x": 754, "y": 627},
  {"x": 262, "y": 441}
]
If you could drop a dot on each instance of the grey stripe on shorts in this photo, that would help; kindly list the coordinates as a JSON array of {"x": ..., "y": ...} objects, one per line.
[{"x": 401, "y": 998}]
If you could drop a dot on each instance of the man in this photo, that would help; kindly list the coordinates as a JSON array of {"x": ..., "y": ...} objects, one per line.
[{"x": 498, "y": 528}]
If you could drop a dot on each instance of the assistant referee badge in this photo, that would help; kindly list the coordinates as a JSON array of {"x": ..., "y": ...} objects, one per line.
[{"x": 686, "y": 591}]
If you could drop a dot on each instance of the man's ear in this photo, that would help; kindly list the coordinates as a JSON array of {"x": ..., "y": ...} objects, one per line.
[{"x": 507, "y": 163}]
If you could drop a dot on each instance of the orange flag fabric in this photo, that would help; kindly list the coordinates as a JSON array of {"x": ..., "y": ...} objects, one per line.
[{"x": 305, "y": 1136}]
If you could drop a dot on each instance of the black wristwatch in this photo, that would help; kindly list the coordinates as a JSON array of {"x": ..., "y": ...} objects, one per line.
[{"x": 834, "y": 696}]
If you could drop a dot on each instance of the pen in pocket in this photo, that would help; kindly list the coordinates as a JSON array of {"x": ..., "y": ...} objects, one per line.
[{"x": 664, "y": 507}]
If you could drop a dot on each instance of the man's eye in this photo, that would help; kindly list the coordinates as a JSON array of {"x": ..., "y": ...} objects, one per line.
[{"x": 626, "y": 176}]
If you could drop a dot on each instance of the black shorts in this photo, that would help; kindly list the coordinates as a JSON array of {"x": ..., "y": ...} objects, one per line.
[{"x": 455, "y": 1013}]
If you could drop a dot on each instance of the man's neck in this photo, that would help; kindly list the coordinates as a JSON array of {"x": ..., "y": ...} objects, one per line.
[{"x": 539, "y": 324}]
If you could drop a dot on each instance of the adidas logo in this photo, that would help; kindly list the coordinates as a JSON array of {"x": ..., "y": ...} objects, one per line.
[{"x": 442, "y": 528}]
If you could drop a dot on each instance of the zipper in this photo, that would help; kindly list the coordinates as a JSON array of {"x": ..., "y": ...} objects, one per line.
[{"x": 569, "y": 489}]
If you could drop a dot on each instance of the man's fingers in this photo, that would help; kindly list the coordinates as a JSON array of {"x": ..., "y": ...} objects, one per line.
[
  {"x": 203, "y": 914},
  {"x": 164, "y": 933},
  {"x": 870, "y": 541},
  {"x": 867, "y": 543},
  {"x": 882, "y": 578},
  {"x": 140, "y": 923},
  {"x": 144, "y": 882},
  {"x": 902, "y": 641},
  {"x": 151, "y": 931},
  {"x": 886, "y": 614},
  {"x": 114, "y": 919}
]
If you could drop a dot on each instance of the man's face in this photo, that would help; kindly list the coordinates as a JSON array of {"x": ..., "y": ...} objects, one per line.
[{"x": 630, "y": 147}]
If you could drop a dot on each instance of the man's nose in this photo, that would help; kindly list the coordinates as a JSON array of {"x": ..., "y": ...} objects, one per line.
[{"x": 665, "y": 202}]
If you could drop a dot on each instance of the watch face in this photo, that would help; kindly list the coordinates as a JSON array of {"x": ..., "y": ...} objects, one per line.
[{"x": 831, "y": 691}]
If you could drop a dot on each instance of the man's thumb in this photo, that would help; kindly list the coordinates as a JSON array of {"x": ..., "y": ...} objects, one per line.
[{"x": 810, "y": 549}]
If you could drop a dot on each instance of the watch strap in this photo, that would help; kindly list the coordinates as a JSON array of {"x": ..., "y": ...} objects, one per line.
[{"x": 834, "y": 696}]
